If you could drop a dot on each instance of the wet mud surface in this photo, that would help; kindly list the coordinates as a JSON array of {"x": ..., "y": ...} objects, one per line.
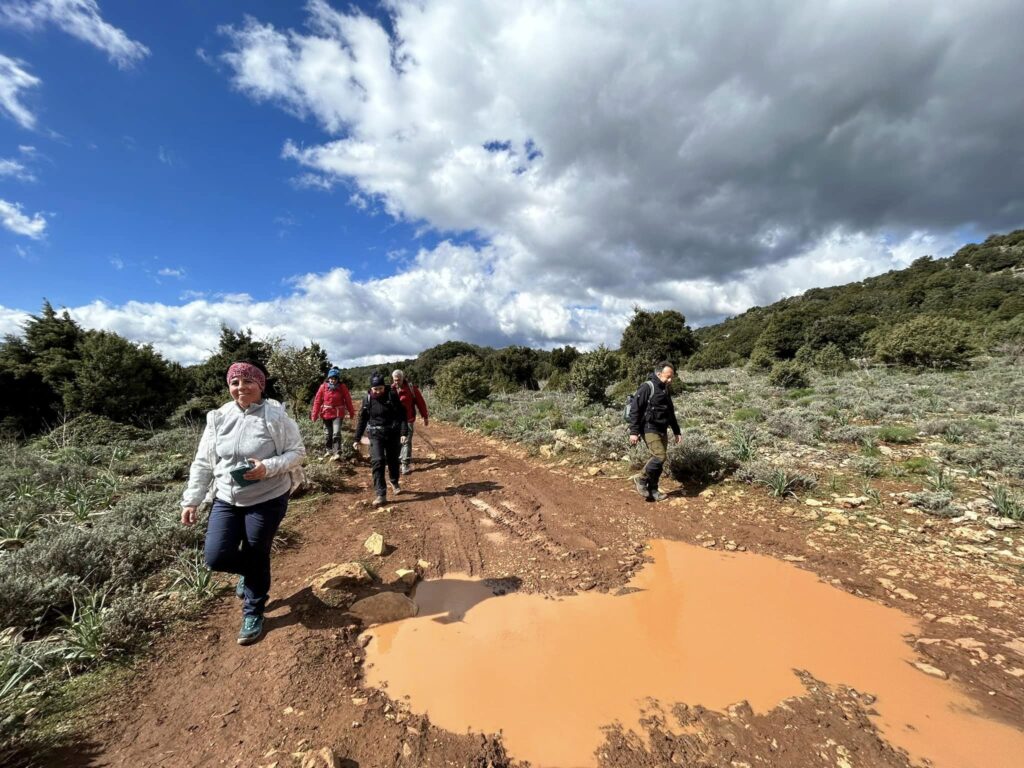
[{"x": 476, "y": 507}]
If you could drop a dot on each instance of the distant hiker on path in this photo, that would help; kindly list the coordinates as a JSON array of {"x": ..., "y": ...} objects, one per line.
[
  {"x": 383, "y": 416},
  {"x": 650, "y": 418},
  {"x": 332, "y": 403},
  {"x": 412, "y": 399},
  {"x": 248, "y": 463}
]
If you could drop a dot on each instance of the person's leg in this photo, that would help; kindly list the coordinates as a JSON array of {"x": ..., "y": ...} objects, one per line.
[
  {"x": 392, "y": 452},
  {"x": 405, "y": 454},
  {"x": 261, "y": 524},
  {"x": 225, "y": 533},
  {"x": 328, "y": 434},
  {"x": 377, "y": 466},
  {"x": 658, "y": 444},
  {"x": 337, "y": 436}
]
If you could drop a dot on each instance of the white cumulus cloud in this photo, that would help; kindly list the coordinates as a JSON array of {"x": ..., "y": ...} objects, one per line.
[
  {"x": 13, "y": 218},
  {"x": 463, "y": 292},
  {"x": 79, "y": 18},
  {"x": 15, "y": 169},
  {"x": 612, "y": 145},
  {"x": 14, "y": 79}
]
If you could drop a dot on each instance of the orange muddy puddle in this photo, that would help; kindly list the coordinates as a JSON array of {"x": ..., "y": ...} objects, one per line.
[{"x": 706, "y": 628}]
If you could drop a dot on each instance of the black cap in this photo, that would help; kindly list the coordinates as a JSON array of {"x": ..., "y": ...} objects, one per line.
[{"x": 376, "y": 380}]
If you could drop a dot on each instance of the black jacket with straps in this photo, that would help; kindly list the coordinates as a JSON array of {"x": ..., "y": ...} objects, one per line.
[
  {"x": 653, "y": 410},
  {"x": 383, "y": 416}
]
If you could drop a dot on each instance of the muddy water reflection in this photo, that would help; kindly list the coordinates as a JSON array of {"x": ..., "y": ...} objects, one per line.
[{"x": 705, "y": 628}]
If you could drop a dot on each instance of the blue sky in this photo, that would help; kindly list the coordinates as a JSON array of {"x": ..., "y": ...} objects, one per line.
[
  {"x": 381, "y": 178},
  {"x": 164, "y": 168}
]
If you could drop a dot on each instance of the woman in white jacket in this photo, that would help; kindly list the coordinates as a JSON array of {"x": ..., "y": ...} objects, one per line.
[{"x": 248, "y": 463}]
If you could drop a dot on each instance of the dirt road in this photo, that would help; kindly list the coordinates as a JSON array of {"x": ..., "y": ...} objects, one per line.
[{"x": 478, "y": 507}]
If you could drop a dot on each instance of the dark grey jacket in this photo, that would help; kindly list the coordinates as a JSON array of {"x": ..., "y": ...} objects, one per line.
[
  {"x": 383, "y": 417},
  {"x": 653, "y": 410}
]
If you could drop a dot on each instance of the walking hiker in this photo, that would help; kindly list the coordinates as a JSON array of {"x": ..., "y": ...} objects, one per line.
[
  {"x": 247, "y": 464},
  {"x": 650, "y": 418},
  {"x": 383, "y": 416},
  {"x": 412, "y": 399},
  {"x": 332, "y": 403}
]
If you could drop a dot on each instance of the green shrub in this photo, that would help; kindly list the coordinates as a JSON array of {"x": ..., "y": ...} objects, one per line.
[
  {"x": 830, "y": 359},
  {"x": 748, "y": 414},
  {"x": 897, "y": 435},
  {"x": 761, "y": 359},
  {"x": 1006, "y": 504},
  {"x": 461, "y": 381},
  {"x": 926, "y": 341},
  {"x": 578, "y": 427},
  {"x": 712, "y": 356},
  {"x": 789, "y": 374},
  {"x": 695, "y": 459},
  {"x": 558, "y": 381},
  {"x": 592, "y": 373},
  {"x": 744, "y": 443},
  {"x": 917, "y": 465},
  {"x": 488, "y": 426}
]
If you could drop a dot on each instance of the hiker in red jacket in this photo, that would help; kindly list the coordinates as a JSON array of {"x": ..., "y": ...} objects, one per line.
[
  {"x": 331, "y": 404},
  {"x": 412, "y": 399}
]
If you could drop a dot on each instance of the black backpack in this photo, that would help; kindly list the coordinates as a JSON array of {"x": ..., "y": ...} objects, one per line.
[{"x": 631, "y": 402}]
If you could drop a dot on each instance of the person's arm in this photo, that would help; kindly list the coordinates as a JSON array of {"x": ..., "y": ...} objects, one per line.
[
  {"x": 421, "y": 405},
  {"x": 317, "y": 404},
  {"x": 294, "y": 452},
  {"x": 673, "y": 421},
  {"x": 200, "y": 475},
  {"x": 401, "y": 414},
  {"x": 640, "y": 400},
  {"x": 364, "y": 415},
  {"x": 346, "y": 398}
]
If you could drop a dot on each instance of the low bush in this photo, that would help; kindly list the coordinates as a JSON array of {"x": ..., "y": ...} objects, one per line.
[
  {"x": 934, "y": 502},
  {"x": 592, "y": 373},
  {"x": 461, "y": 382},
  {"x": 897, "y": 435},
  {"x": 926, "y": 341},
  {"x": 696, "y": 459},
  {"x": 789, "y": 374}
]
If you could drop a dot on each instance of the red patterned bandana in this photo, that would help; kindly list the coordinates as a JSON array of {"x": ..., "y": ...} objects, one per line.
[{"x": 247, "y": 371}]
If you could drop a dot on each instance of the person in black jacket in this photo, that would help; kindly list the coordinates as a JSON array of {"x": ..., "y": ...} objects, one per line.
[
  {"x": 383, "y": 416},
  {"x": 650, "y": 418}
]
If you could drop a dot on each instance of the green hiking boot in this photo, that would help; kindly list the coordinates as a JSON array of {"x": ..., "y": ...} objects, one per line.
[
  {"x": 657, "y": 495},
  {"x": 251, "y": 631},
  {"x": 240, "y": 588}
]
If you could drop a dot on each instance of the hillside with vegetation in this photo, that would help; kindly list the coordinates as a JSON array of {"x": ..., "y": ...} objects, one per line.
[{"x": 936, "y": 311}]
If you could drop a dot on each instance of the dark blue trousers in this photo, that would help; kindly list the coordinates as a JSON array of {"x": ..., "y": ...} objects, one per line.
[{"x": 238, "y": 541}]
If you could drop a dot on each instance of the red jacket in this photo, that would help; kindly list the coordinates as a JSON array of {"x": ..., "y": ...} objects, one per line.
[
  {"x": 412, "y": 399},
  {"x": 330, "y": 404}
]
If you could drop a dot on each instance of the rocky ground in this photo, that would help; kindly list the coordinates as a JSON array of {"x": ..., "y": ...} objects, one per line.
[{"x": 480, "y": 507}]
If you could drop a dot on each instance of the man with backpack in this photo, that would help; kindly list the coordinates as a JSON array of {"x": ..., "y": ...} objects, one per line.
[
  {"x": 651, "y": 415},
  {"x": 383, "y": 417},
  {"x": 413, "y": 401}
]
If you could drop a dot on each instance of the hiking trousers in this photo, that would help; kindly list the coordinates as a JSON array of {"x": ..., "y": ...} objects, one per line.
[
  {"x": 405, "y": 454},
  {"x": 384, "y": 453},
  {"x": 332, "y": 431},
  {"x": 238, "y": 540},
  {"x": 657, "y": 442}
]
